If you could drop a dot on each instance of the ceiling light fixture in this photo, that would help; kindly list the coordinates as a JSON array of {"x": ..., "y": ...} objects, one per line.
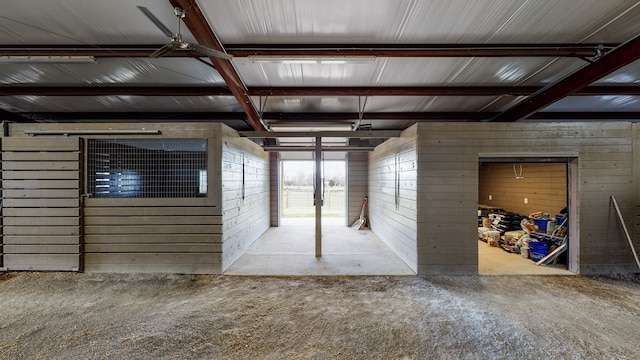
[
  {"x": 47, "y": 59},
  {"x": 312, "y": 59}
]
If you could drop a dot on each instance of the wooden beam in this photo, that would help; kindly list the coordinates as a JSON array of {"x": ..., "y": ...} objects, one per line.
[
  {"x": 200, "y": 29},
  {"x": 606, "y": 64}
]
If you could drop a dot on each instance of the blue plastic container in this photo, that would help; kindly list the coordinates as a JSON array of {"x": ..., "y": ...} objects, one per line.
[
  {"x": 542, "y": 225},
  {"x": 538, "y": 250}
]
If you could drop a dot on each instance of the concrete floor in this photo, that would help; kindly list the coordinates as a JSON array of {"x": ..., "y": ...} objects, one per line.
[
  {"x": 290, "y": 250},
  {"x": 495, "y": 261}
]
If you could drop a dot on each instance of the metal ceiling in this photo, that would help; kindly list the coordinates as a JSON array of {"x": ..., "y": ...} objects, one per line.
[{"x": 457, "y": 60}]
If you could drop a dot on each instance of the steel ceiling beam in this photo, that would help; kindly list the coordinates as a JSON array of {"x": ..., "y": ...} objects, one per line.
[
  {"x": 361, "y": 134},
  {"x": 9, "y": 116},
  {"x": 206, "y": 90},
  {"x": 432, "y": 91},
  {"x": 311, "y": 117},
  {"x": 204, "y": 35},
  {"x": 102, "y": 51},
  {"x": 419, "y": 50},
  {"x": 104, "y": 90},
  {"x": 381, "y": 50},
  {"x": 615, "y": 59}
]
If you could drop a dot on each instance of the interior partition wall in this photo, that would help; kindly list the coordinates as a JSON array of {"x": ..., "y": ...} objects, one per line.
[
  {"x": 179, "y": 198},
  {"x": 601, "y": 165}
]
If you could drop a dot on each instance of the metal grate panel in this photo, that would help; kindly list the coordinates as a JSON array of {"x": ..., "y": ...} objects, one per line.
[{"x": 147, "y": 168}]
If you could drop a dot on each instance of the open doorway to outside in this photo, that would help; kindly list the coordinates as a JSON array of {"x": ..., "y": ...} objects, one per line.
[
  {"x": 524, "y": 212},
  {"x": 298, "y": 188}
]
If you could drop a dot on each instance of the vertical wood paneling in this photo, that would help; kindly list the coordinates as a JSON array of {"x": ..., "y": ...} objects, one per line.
[
  {"x": 41, "y": 224},
  {"x": 393, "y": 195},
  {"x": 245, "y": 194},
  {"x": 448, "y": 176},
  {"x": 544, "y": 185}
]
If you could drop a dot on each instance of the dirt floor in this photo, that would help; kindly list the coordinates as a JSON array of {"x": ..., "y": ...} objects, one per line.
[{"x": 138, "y": 316}]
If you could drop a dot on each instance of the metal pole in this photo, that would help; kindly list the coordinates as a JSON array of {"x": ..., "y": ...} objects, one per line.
[
  {"x": 318, "y": 196},
  {"x": 626, "y": 232}
]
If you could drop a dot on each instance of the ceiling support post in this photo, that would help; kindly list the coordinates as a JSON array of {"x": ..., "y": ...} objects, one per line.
[{"x": 318, "y": 196}]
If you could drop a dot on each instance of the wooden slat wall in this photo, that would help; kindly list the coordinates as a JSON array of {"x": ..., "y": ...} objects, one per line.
[
  {"x": 41, "y": 204},
  {"x": 448, "y": 183},
  {"x": 357, "y": 182},
  {"x": 244, "y": 219},
  {"x": 544, "y": 185},
  {"x": 148, "y": 238},
  {"x": 173, "y": 235},
  {"x": 393, "y": 211}
]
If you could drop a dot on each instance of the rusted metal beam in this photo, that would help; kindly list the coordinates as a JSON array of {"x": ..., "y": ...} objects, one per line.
[
  {"x": 419, "y": 50},
  {"x": 608, "y": 63},
  {"x": 202, "y": 32}
]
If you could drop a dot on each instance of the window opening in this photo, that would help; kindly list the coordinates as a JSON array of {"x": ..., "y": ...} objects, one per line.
[{"x": 147, "y": 168}]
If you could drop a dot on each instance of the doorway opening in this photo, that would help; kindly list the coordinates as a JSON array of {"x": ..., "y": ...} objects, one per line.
[
  {"x": 291, "y": 248},
  {"x": 298, "y": 189},
  {"x": 525, "y": 211}
]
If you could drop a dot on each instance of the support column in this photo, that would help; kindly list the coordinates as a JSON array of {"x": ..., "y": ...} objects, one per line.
[{"x": 318, "y": 196}]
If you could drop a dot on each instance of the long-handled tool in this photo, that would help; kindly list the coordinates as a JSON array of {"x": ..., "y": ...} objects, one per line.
[{"x": 359, "y": 224}]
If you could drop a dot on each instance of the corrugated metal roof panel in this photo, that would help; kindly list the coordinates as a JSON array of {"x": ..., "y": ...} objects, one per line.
[
  {"x": 428, "y": 103},
  {"x": 629, "y": 74},
  {"x": 605, "y": 103},
  {"x": 309, "y": 103},
  {"x": 407, "y": 21},
  {"x": 113, "y": 71},
  {"x": 119, "y": 103},
  {"x": 410, "y": 72},
  {"x": 85, "y": 22}
]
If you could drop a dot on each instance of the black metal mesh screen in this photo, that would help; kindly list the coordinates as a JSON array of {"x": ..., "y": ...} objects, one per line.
[{"x": 147, "y": 168}]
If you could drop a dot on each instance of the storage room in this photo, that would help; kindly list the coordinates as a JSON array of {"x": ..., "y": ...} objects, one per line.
[{"x": 522, "y": 216}]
